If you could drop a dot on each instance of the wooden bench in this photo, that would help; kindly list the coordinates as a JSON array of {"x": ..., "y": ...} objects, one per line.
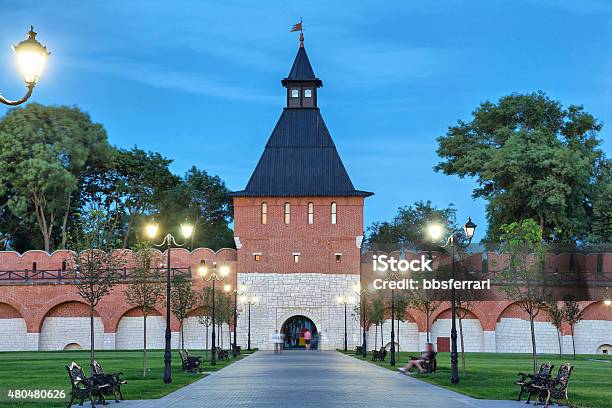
[
  {"x": 222, "y": 354},
  {"x": 379, "y": 355},
  {"x": 190, "y": 363},
  {"x": 235, "y": 350},
  {"x": 85, "y": 387},
  {"x": 115, "y": 380},
  {"x": 359, "y": 350},
  {"x": 555, "y": 388},
  {"x": 528, "y": 381}
]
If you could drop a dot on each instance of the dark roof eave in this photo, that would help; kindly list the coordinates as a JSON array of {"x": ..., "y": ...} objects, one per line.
[
  {"x": 317, "y": 81},
  {"x": 355, "y": 193}
]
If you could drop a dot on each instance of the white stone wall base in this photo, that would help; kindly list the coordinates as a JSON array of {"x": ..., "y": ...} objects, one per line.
[
  {"x": 312, "y": 295},
  {"x": 488, "y": 341},
  {"x": 13, "y": 332},
  {"x": 32, "y": 342}
]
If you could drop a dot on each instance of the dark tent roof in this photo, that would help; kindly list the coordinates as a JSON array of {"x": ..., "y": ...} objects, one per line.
[
  {"x": 300, "y": 159},
  {"x": 301, "y": 69}
]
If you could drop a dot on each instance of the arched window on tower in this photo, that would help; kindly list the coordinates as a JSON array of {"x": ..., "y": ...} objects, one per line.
[
  {"x": 287, "y": 213},
  {"x": 311, "y": 213},
  {"x": 333, "y": 213},
  {"x": 264, "y": 213}
]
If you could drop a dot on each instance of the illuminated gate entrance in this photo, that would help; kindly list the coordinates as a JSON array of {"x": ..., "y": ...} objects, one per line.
[{"x": 294, "y": 329}]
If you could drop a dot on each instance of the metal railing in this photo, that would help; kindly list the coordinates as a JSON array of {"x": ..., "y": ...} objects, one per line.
[{"x": 60, "y": 276}]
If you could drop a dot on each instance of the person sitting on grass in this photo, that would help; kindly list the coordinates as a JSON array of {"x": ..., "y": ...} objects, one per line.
[{"x": 427, "y": 355}]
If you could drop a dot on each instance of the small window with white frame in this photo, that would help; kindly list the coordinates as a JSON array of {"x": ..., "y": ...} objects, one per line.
[
  {"x": 296, "y": 257},
  {"x": 334, "y": 217},
  {"x": 307, "y": 93},
  {"x": 311, "y": 213},
  {"x": 338, "y": 256},
  {"x": 287, "y": 213},
  {"x": 295, "y": 93},
  {"x": 257, "y": 256},
  {"x": 264, "y": 213}
]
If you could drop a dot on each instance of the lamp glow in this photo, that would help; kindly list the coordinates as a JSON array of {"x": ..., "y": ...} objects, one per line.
[
  {"x": 227, "y": 287},
  {"x": 151, "y": 230},
  {"x": 31, "y": 58},
  {"x": 187, "y": 230},
  {"x": 202, "y": 270},
  {"x": 435, "y": 231},
  {"x": 608, "y": 302},
  {"x": 224, "y": 271}
]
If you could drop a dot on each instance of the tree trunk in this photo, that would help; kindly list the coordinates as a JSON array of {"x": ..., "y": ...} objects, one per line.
[
  {"x": 376, "y": 336},
  {"x": 427, "y": 323},
  {"x": 144, "y": 347},
  {"x": 182, "y": 336},
  {"x": 397, "y": 337},
  {"x": 573, "y": 342},
  {"x": 129, "y": 227},
  {"x": 534, "y": 354},
  {"x": 462, "y": 346},
  {"x": 65, "y": 223},
  {"x": 559, "y": 339},
  {"x": 91, "y": 335}
]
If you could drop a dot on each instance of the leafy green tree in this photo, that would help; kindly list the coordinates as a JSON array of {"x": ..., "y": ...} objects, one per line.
[
  {"x": 572, "y": 315},
  {"x": 408, "y": 229},
  {"x": 145, "y": 290},
  {"x": 94, "y": 264},
  {"x": 183, "y": 299},
  {"x": 143, "y": 181},
  {"x": 601, "y": 221},
  {"x": 555, "y": 316},
  {"x": 44, "y": 151},
  {"x": 202, "y": 200},
  {"x": 532, "y": 158},
  {"x": 523, "y": 279}
]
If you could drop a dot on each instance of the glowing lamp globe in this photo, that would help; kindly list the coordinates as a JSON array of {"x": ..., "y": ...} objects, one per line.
[
  {"x": 151, "y": 230},
  {"x": 187, "y": 230},
  {"x": 435, "y": 231},
  {"x": 469, "y": 229},
  {"x": 31, "y": 58}
]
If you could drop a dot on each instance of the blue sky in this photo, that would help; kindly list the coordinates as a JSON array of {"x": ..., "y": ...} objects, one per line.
[{"x": 199, "y": 81}]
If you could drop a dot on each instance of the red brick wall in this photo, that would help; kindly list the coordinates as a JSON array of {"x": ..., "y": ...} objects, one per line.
[{"x": 317, "y": 243}]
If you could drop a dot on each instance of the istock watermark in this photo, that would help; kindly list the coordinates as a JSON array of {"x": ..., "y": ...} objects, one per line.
[{"x": 385, "y": 263}]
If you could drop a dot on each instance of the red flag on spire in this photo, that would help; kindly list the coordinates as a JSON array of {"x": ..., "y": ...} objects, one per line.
[{"x": 297, "y": 27}]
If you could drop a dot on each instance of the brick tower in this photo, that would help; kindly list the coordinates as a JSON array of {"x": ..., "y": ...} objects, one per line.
[{"x": 298, "y": 226}]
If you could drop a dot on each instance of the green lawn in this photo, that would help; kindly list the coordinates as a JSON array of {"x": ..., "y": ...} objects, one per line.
[
  {"x": 491, "y": 376},
  {"x": 45, "y": 370}
]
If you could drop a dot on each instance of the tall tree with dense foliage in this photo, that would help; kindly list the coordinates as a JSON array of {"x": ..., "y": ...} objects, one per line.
[
  {"x": 523, "y": 277},
  {"x": 145, "y": 290},
  {"x": 202, "y": 200},
  {"x": 408, "y": 229},
  {"x": 532, "y": 158},
  {"x": 44, "y": 152},
  {"x": 144, "y": 180},
  {"x": 94, "y": 264}
]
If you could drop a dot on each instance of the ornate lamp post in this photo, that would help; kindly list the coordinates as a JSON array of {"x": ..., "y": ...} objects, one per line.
[
  {"x": 362, "y": 305},
  {"x": 31, "y": 58},
  {"x": 344, "y": 300},
  {"x": 435, "y": 232},
  {"x": 213, "y": 276},
  {"x": 249, "y": 300},
  {"x": 168, "y": 242},
  {"x": 241, "y": 290}
]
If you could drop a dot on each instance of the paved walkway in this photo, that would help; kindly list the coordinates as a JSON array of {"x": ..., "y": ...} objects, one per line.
[{"x": 303, "y": 379}]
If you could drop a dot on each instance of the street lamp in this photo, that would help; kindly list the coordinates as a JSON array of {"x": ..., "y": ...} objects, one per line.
[
  {"x": 435, "y": 232},
  {"x": 249, "y": 300},
  {"x": 362, "y": 299},
  {"x": 344, "y": 300},
  {"x": 608, "y": 302},
  {"x": 213, "y": 276},
  {"x": 241, "y": 290},
  {"x": 31, "y": 58},
  {"x": 168, "y": 242}
]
